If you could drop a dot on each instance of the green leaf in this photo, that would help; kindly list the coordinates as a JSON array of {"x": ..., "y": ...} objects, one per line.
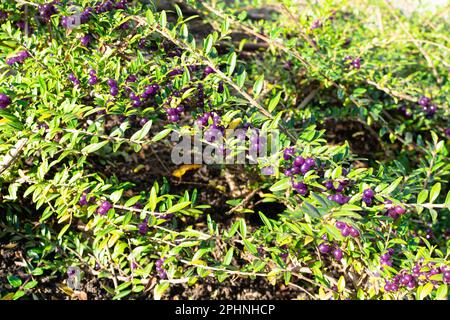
[
  {"x": 341, "y": 284},
  {"x": 257, "y": 87},
  {"x": 242, "y": 228},
  {"x": 231, "y": 63},
  {"x": 441, "y": 293},
  {"x": 14, "y": 281},
  {"x": 18, "y": 295},
  {"x": 30, "y": 285},
  {"x": 161, "y": 135},
  {"x": 434, "y": 193},
  {"x": 311, "y": 210},
  {"x": 63, "y": 231},
  {"x": 159, "y": 290},
  {"x": 178, "y": 207},
  {"x": 426, "y": 290},
  {"x": 433, "y": 214},
  {"x": 282, "y": 184},
  {"x": 122, "y": 294},
  {"x": 240, "y": 79},
  {"x": 333, "y": 231},
  {"x": 163, "y": 19},
  {"x": 228, "y": 257},
  {"x": 422, "y": 197},
  {"x": 208, "y": 44},
  {"x": 274, "y": 102},
  {"x": 140, "y": 135},
  {"x": 116, "y": 195},
  {"x": 393, "y": 186},
  {"x": 265, "y": 220},
  {"x": 94, "y": 147},
  {"x": 250, "y": 246},
  {"x": 153, "y": 199}
]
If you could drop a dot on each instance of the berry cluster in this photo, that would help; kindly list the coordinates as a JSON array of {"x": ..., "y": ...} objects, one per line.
[
  {"x": 84, "y": 200},
  {"x": 143, "y": 227},
  {"x": 110, "y": 5},
  {"x": 204, "y": 120},
  {"x": 104, "y": 208},
  {"x": 21, "y": 56},
  {"x": 113, "y": 87},
  {"x": 339, "y": 198},
  {"x": 24, "y": 26},
  {"x": 84, "y": 17},
  {"x": 160, "y": 269},
  {"x": 77, "y": 19},
  {"x": 74, "y": 79},
  {"x": 326, "y": 248},
  {"x": 3, "y": 15},
  {"x": 208, "y": 70},
  {"x": 92, "y": 77},
  {"x": 298, "y": 165},
  {"x": 394, "y": 211},
  {"x": 386, "y": 258},
  {"x": 429, "y": 108},
  {"x": 285, "y": 254},
  {"x": 85, "y": 40},
  {"x": 173, "y": 114},
  {"x": 355, "y": 63},
  {"x": 368, "y": 195},
  {"x": 347, "y": 230},
  {"x": 5, "y": 101},
  {"x": 420, "y": 274},
  {"x": 46, "y": 11}
]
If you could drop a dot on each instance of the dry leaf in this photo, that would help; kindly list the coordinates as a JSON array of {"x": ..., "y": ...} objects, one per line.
[{"x": 181, "y": 171}]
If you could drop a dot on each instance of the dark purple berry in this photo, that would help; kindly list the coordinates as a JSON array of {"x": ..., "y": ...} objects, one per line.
[
  {"x": 424, "y": 101},
  {"x": 368, "y": 193},
  {"x": 345, "y": 232},
  {"x": 324, "y": 248},
  {"x": 337, "y": 253}
]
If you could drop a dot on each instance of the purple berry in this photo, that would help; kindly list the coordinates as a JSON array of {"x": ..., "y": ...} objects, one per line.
[
  {"x": 399, "y": 210},
  {"x": 368, "y": 193},
  {"x": 93, "y": 80},
  {"x": 329, "y": 185},
  {"x": 114, "y": 91},
  {"x": 5, "y": 101},
  {"x": 337, "y": 253},
  {"x": 85, "y": 40},
  {"x": 345, "y": 232},
  {"x": 288, "y": 153},
  {"x": 310, "y": 162},
  {"x": 324, "y": 248},
  {"x": 208, "y": 70},
  {"x": 304, "y": 168},
  {"x": 411, "y": 285},
  {"x": 112, "y": 83},
  {"x": 424, "y": 101},
  {"x": 341, "y": 225},
  {"x": 143, "y": 228},
  {"x": 354, "y": 232}
]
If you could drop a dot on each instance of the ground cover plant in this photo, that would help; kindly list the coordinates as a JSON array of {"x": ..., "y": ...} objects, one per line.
[{"x": 340, "y": 113}]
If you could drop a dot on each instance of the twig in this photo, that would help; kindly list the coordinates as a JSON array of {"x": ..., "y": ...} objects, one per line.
[{"x": 13, "y": 154}]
